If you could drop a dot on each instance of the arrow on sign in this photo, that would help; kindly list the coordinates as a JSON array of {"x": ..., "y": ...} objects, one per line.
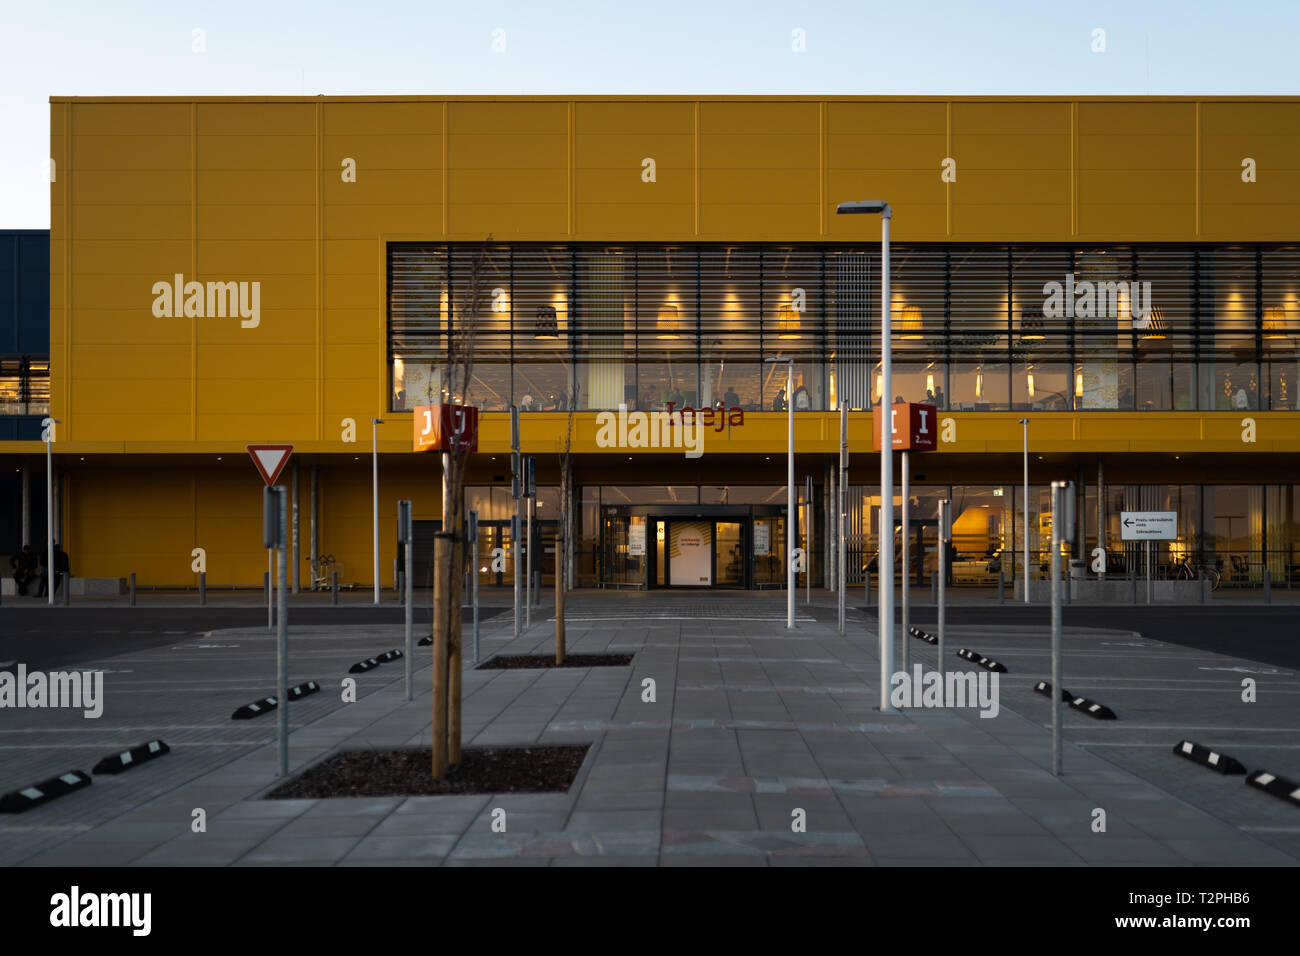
[
  {"x": 270, "y": 460},
  {"x": 1128, "y": 523}
]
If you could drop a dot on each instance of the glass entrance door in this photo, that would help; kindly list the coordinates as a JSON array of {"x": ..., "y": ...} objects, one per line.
[{"x": 728, "y": 555}]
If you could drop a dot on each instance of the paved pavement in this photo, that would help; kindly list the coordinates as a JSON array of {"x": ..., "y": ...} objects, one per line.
[{"x": 750, "y": 724}]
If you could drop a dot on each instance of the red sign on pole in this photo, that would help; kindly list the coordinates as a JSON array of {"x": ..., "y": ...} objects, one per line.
[
  {"x": 270, "y": 460},
  {"x": 446, "y": 428},
  {"x": 914, "y": 427}
]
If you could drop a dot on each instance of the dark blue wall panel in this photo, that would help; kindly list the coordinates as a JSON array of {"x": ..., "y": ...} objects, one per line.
[{"x": 25, "y": 292}]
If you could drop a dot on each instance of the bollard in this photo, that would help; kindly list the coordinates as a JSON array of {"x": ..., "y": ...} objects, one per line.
[
  {"x": 1002, "y": 595},
  {"x": 1133, "y": 583},
  {"x": 537, "y": 588},
  {"x": 67, "y": 589},
  {"x": 334, "y": 586},
  {"x": 133, "y": 589},
  {"x": 1201, "y": 581},
  {"x": 203, "y": 588},
  {"x": 1268, "y": 586}
]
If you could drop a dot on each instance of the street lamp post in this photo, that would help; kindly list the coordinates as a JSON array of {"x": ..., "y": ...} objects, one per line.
[
  {"x": 374, "y": 488},
  {"x": 886, "y": 562},
  {"x": 1025, "y": 544},
  {"x": 789, "y": 479}
]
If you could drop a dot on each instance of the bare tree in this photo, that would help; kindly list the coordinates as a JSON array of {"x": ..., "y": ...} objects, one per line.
[{"x": 451, "y": 556}]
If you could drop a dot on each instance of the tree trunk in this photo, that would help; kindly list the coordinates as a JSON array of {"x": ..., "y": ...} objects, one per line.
[
  {"x": 442, "y": 598},
  {"x": 559, "y": 601},
  {"x": 453, "y": 653}
]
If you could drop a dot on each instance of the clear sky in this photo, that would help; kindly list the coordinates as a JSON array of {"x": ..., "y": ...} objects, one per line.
[{"x": 616, "y": 46}]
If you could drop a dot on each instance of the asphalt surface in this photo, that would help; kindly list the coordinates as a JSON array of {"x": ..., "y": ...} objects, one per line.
[
  {"x": 1263, "y": 634},
  {"x": 46, "y": 637}
]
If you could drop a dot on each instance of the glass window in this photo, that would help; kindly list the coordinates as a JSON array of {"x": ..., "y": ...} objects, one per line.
[
  {"x": 730, "y": 336},
  {"x": 979, "y": 304},
  {"x": 607, "y": 324}
]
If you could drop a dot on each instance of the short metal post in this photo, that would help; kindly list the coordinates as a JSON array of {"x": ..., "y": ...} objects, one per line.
[
  {"x": 1002, "y": 596},
  {"x": 282, "y": 628},
  {"x": 537, "y": 586},
  {"x": 1200, "y": 580},
  {"x": 1268, "y": 584},
  {"x": 945, "y": 513},
  {"x": 408, "y": 615},
  {"x": 1132, "y": 580},
  {"x": 67, "y": 588},
  {"x": 1149, "y": 584},
  {"x": 133, "y": 589},
  {"x": 203, "y": 588},
  {"x": 476, "y": 610},
  {"x": 1057, "y": 489},
  {"x": 334, "y": 586}
]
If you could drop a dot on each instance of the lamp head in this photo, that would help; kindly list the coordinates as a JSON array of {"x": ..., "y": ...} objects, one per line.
[{"x": 863, "y": 207}]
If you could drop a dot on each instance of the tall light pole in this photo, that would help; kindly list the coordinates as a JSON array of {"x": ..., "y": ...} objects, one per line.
[
  {"x": 1025, "y": 545},
  {"x": 50, "y": 577},
  {"x": 789, "y": 479},
  {"x": 374, "y": 488},
  {"x": 886, "y": 563}
]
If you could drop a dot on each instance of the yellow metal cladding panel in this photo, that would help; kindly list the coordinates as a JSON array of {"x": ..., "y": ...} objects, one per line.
[
  {"x": 377, "y": 119},
  {"x": 130, "y": 188},
  {"x": 144, "y": 153},
  {"x": 234, "y": 222},
  {"x": 508, "y": 170},
  {"x": 759, "y": 169},
  {"x": 611, "y": 143},
  {"x": 353, "y": 326},
  {"x": 1269, "y": 134},
  {"x": 1137, "y": 169},
  {"x": 261, "y": 187},
  {"x": 139, "y": 222},
  {"x": 226, "y": 260},
  {"x": 1012, "y": 168},
  {"x": 354, "y": 222},
  {"x": 133, "y": 520}
]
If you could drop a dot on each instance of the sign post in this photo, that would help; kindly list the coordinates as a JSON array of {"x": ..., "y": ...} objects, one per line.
[
  {"x": 530, "y": 494},
  {"x": 473, "y": 545},
  {"x": 1148, "y": 526},
  {"x": 516, "y": 491},
  {"x": 1062, "y": 504},
  {"x": 275, "y": 535},
  {"x": 913, "y": 427},
  {"x": 270, "y": 461},
  {"x": 405, "y": 526},
  {"x": 840, "y": 530}
]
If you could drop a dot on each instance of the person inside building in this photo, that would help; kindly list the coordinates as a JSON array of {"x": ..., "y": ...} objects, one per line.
[
  {"x": 731, "y": 399},
  {"x": 62, "y": 568},
  {"x": 778, "y": 403},
  {"x": 801, "y": 400},
  {"x": 24, "y": 565}
]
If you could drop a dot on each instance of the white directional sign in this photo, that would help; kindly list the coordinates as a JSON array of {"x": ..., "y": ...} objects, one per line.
[{"x": 1148, "y": 525}]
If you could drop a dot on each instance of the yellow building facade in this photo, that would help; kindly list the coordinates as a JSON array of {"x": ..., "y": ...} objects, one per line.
[{"x": 306, "y": 201}]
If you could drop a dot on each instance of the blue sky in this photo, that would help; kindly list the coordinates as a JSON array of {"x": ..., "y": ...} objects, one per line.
[{"x": 617, "y": 46}]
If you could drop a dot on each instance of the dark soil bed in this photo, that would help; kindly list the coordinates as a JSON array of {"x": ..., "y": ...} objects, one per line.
[
  {"x": 406, "y": 773},
  {"x": 518, "y": 661}
]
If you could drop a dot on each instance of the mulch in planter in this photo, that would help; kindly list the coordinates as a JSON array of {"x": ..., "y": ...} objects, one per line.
[
  {"x": 520, "y": 661},
  {"x": 406, "y": 773}
]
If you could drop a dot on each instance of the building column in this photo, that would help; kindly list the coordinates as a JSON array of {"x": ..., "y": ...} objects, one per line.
[
  {"x": 294, "y": 550},
  {"x": 27, "y": 504},
  {"x": 313, "y": 525}
]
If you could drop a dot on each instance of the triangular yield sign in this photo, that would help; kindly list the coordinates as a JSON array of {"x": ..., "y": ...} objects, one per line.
[{"x": 270, "y": 460}]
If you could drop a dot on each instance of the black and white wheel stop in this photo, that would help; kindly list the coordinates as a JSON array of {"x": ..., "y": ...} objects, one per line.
[
  {"x": 302, "y": 690},
  {"x": 18, "y": 801},
  {"x": 425, "y": 641},
  {"x": 922, "y": 635},
  {"x": 1280, "y": 787},
  {"x": 255, "y": 709},
  {"x": 127, "y": 759},
  {"x": 1081, "y": 704},
  {"x": 1206, "y": 757},
  {"x": 388, "y": 656},
  {"x": 981, "y": 660},
  {"x": 360, "y": 667}
]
